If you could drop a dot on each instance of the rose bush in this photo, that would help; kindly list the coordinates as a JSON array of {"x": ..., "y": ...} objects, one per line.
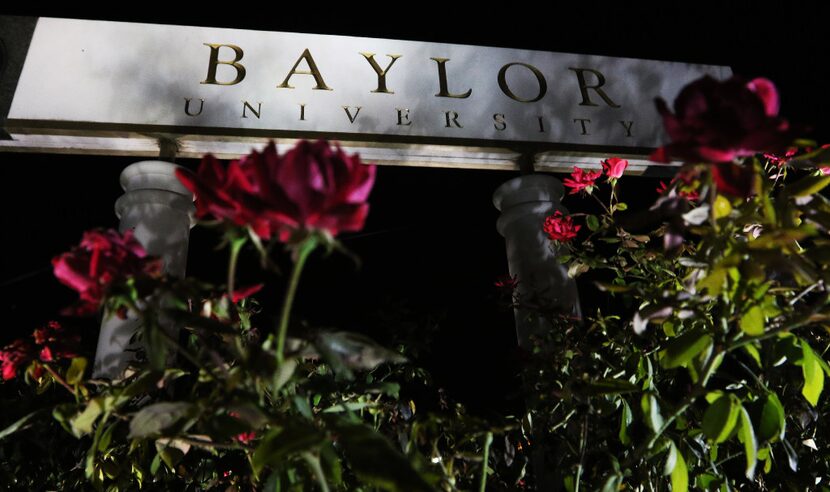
[{"x": 707, "y": 352}]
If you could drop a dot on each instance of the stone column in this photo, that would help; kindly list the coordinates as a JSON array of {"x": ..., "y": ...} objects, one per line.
[
  {"x": 543, "y": 282},
  {"x": 159, "y": 209}
]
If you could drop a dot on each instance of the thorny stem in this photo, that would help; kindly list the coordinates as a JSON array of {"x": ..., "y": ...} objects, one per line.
[
  {"x": 57, "y": 377},
  {"x": 303, "y": 251},
  {"x": 583, "y": 440},
  {"x": 236, "y": 247},
  {"x": 485, "y": 457}
]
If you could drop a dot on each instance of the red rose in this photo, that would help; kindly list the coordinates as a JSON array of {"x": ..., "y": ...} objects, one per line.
[
  {"x": 313, "y": 186},
  {"x": 560, "y": 228},
  {"x": 717, "y": 121},
  {"x": 103, "y": 257},
  {"x": 13, "y": 356},
  {"x": 581, "y": 180},
  {"x": 614, "y": 167}
]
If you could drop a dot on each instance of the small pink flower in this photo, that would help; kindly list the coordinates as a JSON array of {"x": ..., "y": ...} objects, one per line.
[
  {"x": 581, "y": 180},
  {"x": 614, "y": 167},
  {"x": 560, "y": 228}
]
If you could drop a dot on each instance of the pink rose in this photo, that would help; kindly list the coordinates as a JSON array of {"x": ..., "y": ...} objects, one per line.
[
  {"x": 312, "y": 186},
  {"x": 717, "y": 121},
  {"x": 614, "y": 167}
]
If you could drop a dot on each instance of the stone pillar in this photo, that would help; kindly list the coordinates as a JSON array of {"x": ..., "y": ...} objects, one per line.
[
  {"x": 543, "y": 283},
  {"x": 159, "y": 209}
]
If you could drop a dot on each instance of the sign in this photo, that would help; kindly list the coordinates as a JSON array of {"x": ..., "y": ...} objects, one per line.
[{"x": 109, "y": 86}]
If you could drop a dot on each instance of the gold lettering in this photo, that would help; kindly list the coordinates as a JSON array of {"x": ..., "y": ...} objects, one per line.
[
  {"x": 370, "y": 57},
  {"x": 246, "y": 106},
  {"x": 582, "y": 122},
  {"x": 627, "y": 127},
  {"x": 349, "y": 114},
  {"x": 302, "y": 112},
  {"x": 312, "y": 70},
  {"x": 498, "y": 119},
  {"x": 442, "y": 81},
  {"x": 403, "y": 114},
  {"x": 187, "y": 107},
  {"x": 541, "y": 124},
  {"x": 543, "y": 85},
  {"x": 454, "y": 119},
  {"x": 215, "y": 62},
  {"x": 583, "y": 87}
]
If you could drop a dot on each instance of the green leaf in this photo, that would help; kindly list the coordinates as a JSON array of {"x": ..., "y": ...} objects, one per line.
[
  {"x": 752, "y": 351},
  {"x": 609, "y": 386},
  {"x": 808, "y": 185},
  {"x": 747, "y": 435},
  {"x": 282, "y": 443},
  {"x": 82, "y": 423},
  {"x": 720, "y": 418},
  {"x": 625, "y": 421},
  {"x": 684, "y": 348},
  {"x": 19, "y": 424},
  {"x": 676, "y": 467},
  {"x": 813, "y": 374},
  {"x": 773, "y": 419},
  {"x": 375, "y": 461},
  {"x": 714, "y": 283},
  {"x": 171, "y": 451},
  {"x": 722, "y": 207},
  {"x": 154, "y": 419},
  {"x": 651, "y": 411},
  {"x": 752, "y": 323},
  {"x": 622, "y": 206},
  {"x": 75, "y": 373},
  {"x": 592, "y": 222},
  {"x": 610, "y": 485}
]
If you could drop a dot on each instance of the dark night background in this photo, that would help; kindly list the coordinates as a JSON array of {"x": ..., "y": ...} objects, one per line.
[{"x": 430, "y": 249}]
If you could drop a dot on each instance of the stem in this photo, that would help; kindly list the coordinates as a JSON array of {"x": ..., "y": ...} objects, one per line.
[
  {"x": 57, "y": 377},
  {"x": 582, "y": 444},
  {"x": 305, "y": 248},
  {"x": 236, "y": 247},
  {"x": 485, "y": 457},
  {"x": 314, "y": 464}
]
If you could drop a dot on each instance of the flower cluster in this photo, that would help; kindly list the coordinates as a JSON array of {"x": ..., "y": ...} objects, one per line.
[
  {"x": 103, "y": 258},
  {"x": 581, "y": 179},
  {"x": 718, "y": 121},
  {"x": 52, "y": 343},
  {"x": 312, "y": 186}
]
